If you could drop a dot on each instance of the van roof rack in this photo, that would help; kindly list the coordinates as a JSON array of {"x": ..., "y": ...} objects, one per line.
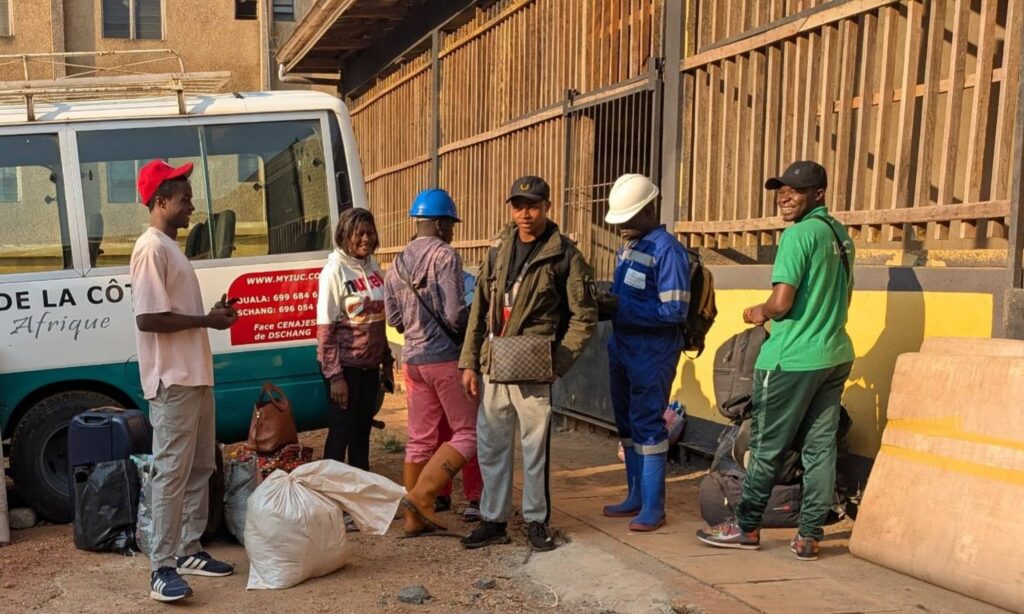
[{"x": 118, "y": 77}]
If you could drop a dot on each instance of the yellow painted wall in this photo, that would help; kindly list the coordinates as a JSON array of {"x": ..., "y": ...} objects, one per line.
[{"x": 883, "y": 325}]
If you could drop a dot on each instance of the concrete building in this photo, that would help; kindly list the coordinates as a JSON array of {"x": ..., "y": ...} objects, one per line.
[{"x": 239, "y": 36}]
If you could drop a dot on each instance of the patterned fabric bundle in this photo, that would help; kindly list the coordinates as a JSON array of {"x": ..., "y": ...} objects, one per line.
[{"x": 286, "y": 459}]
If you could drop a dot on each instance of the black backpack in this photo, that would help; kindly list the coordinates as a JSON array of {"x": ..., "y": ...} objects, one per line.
[
  {"x": 734, "y": 372},
  {"x": 702, "y": 311}
]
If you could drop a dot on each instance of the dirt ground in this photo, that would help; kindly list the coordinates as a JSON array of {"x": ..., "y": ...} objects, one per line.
[{"x": 43, "y": 572}]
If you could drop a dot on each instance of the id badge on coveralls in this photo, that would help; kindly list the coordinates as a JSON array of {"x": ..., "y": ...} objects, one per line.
[{"x": 635, "y": 279}]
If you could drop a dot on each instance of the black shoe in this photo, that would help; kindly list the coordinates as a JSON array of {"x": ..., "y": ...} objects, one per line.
[
  {"x": 540, "y": 539},
  {"x": 202, "y": 564},
  {"x": 166, "y": 585},
  {"x": 442, "y": 504},
  {"x": 485, "y": 534}
]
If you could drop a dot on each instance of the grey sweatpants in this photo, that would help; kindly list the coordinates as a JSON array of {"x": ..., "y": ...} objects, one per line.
[
  {"x": 505, "y": 405},
  {"x": 184, "y": 449}
]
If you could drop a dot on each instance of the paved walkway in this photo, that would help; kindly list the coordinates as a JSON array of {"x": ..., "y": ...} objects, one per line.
[{"x": 586, "y": 474}]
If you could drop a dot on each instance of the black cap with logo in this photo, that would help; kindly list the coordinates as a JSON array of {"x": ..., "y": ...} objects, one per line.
[
  {"x": 533, "y": 189},
  {"x": 800, "y": 175}
]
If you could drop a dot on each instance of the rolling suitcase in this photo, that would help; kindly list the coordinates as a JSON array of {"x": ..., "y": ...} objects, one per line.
[{"x": 106, "y": 434}]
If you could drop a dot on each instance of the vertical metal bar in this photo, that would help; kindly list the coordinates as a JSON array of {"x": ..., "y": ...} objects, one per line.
[
  {"x": 657, "y": 137},
  {"x": 1015, "y": 258},
  {"x": 435, "y": 108},
  {"x": 567, "y": 119},
  {"x": 669, "y": 111}
]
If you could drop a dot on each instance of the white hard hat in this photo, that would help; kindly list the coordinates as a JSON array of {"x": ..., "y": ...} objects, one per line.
[{"x": 630, "y": 194}]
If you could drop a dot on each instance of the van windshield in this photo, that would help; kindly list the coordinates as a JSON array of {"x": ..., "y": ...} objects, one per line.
[
  {"x": 259, "y": 188},
  {"x": 34, "y": 233}
]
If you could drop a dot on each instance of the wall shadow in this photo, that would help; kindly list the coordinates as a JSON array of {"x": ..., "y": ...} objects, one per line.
[{"x": 867, "y": 393}]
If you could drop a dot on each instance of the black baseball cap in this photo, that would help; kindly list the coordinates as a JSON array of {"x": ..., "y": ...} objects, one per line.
[
  {"x": 531, "y": 188},
  {"x": 800, "y": 175}
]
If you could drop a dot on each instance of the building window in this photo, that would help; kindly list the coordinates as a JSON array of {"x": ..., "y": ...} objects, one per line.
[
  {"x": 246, "y": 9},
  {"x": 248, "y": 168},
  {"x": 5, "y": 17},
  {"x": 284, "y": 10},
  {"x": 10, "y": 190},
  {"x": 121, "y": 176},
  {"x": 135, "y": 19}
]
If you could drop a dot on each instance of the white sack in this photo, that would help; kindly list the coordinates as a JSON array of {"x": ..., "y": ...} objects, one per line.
[{"x": 293, "y": 525}]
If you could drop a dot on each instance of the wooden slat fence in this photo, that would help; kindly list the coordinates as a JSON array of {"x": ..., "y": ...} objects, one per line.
[
  {"x": 505, "y": 79},
  {"x": 910, "y": 105}
]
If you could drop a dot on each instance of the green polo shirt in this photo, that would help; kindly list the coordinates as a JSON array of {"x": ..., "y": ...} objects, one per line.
[{"x": 812, "y": 335}]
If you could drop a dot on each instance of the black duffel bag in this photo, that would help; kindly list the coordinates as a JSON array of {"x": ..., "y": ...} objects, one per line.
[
  {"x": 721, "y": 491},
  {"x": 106, "y": 506}
]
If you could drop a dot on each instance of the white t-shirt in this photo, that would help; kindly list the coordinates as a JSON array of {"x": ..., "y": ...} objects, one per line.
[{"x": 163, "y": 281}]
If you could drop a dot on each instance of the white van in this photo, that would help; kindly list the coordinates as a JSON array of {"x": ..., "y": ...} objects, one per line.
[{"x": 272, "y": 172}]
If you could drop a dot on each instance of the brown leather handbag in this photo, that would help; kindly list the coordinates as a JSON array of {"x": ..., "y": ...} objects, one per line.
[{"x": 273, "y": 425}]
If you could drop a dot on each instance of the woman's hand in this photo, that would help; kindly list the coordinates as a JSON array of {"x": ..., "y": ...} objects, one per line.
[{"x": 339, "y": 391}]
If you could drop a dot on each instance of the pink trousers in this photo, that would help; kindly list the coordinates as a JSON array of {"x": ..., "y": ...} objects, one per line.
[{"x": 434, "y": 394}]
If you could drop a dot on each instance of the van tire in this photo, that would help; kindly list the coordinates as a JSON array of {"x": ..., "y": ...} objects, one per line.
[{"x": 39, "y": 451}]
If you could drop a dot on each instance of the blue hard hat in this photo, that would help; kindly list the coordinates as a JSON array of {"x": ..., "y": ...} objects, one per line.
[{"x": 433, "y": 203}]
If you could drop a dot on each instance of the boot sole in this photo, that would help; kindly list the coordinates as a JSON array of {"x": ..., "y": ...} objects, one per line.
[
  {"x": 717, "y": 544},
  {"x": 503, "y": 539},
  {"x": 608, "y": 514},
  {"x": 646, "y": 528}
]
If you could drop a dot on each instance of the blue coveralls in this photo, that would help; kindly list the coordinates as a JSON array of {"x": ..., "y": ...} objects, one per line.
[{"x": 652, "y": 283}]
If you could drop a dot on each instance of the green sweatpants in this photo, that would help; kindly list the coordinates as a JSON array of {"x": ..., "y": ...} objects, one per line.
[{"x": 794, "y": 407}]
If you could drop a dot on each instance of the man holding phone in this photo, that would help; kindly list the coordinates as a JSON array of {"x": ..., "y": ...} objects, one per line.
[{"x": 176, "y": 369}]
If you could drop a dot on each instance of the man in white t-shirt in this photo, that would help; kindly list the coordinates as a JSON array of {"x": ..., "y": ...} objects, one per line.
[{"x": 176, "y": 368}]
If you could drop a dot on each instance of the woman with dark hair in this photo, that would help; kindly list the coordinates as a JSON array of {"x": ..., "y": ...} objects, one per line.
[{"x": 352, "y": 344}]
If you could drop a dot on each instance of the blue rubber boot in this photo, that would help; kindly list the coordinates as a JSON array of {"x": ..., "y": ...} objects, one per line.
[
  {"x": 652, "y": 489},
  {"x": 631, "y": 506}
]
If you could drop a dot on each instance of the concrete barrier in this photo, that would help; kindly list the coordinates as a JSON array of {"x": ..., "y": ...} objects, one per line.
[{"x": 943, "y": 501}]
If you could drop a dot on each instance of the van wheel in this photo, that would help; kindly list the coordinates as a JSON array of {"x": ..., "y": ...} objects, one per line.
[{"x": 39, "y": 451}]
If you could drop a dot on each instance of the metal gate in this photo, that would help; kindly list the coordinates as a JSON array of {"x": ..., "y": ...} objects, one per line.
[{"x": 608, "y": 134}]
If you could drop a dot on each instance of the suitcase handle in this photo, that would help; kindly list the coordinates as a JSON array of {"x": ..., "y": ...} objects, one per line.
[{"x": 86, "y": 418}]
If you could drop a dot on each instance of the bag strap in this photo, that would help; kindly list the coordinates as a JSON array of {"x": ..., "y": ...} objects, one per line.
[
  {"x": 404, "y": 276},
  {"x": 843, "y": 252},
  {"x": 273, "y": 395}
]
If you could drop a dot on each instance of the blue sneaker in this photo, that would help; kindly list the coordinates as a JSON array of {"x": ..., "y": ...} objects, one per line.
[
  {"x": 202, "y": 564},
  {"x": 167, "y": 585}
]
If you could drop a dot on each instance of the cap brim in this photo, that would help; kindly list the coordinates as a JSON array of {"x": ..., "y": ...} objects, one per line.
[
  {"x": 533, "y": 198},
  {"x": 774, "y": 183},
  {"x": 184, "y": 170}
]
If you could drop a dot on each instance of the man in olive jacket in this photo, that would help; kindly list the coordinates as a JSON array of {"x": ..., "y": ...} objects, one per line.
[{"x": 534, "y": 282}]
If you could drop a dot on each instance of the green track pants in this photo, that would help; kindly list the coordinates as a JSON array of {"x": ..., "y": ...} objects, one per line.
[{"x": 794, "y": 407}]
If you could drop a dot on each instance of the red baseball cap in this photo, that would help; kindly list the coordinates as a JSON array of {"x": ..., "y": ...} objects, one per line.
[{"x": 157, "y": 172}]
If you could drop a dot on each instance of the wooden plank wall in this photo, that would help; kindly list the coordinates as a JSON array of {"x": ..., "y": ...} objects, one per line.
[
  {"x": 910, "y": 105},
  {"x": 504, "y": 78}
]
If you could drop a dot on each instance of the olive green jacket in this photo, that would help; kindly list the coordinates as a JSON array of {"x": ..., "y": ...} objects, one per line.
[{"x": 556, "y": 299}]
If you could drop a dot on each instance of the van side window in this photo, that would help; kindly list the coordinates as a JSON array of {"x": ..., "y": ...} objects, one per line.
[
  {"x": 259, "y": 189},
  {"x": 34, "y": 235}
]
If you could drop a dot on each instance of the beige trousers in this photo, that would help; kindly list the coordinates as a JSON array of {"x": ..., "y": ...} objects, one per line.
[{"x": 184, "y": 458}]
